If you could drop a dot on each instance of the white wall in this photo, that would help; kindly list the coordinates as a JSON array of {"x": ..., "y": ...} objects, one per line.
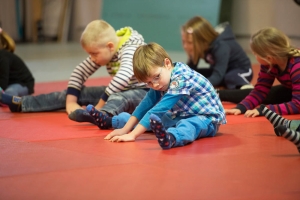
[{"x": 248, "y": 16}]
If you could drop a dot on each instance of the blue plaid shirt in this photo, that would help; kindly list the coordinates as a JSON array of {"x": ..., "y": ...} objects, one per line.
[{"x": 189, "y": 94}]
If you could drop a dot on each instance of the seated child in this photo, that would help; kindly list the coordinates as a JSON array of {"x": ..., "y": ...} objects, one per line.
[
  {"x": 106, "y": 47},
  {"x": 15, "y": 76},
  {"x": 180, "y": 107}
]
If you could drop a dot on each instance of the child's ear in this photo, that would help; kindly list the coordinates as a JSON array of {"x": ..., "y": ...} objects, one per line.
[
  {"x": 111, "y": 46},
  {"x": 168, "y": 63}
]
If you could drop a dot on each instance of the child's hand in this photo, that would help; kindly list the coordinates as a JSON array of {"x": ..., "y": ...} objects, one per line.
[
  {"x": 123, "y": 138},
  {"x": 233, "y": 111},
  {"x": 116, "y": 132},
  {"x": 252, "y": 113}
]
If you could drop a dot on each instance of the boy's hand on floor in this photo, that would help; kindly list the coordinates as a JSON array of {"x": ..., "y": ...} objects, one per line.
[
  {"x": 116, "y": 132},
  {"x": 123, "y": 138},
  {"x": 233, "y": 111}
]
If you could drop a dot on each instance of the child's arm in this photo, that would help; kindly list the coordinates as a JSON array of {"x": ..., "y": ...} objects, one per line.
[
  {"x": 71, "y": 103},
  {"x": 123, "y": 135},
  {"x": 78, "y": 77}
]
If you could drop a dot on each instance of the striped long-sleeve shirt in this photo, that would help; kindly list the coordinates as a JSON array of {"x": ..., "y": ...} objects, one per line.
[
  {"x": 289, "y": 78},
  {"x": 120, "y": 67}
]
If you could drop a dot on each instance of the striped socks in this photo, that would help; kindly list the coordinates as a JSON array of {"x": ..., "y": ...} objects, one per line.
[{"x": 290, "y": 135}]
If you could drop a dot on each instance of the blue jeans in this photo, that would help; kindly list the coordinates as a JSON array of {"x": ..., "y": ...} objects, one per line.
[
  {"x": 57, "y": 100},
  {"x": 123, "y": 101},
  {"x": 16, "y": 90},
  {"x": 188, "y": 129}
]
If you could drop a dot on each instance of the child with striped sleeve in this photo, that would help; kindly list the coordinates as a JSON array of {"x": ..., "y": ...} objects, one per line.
[
  {"x": 279, "y": 60},
  {"x": 106, "y": 47}
]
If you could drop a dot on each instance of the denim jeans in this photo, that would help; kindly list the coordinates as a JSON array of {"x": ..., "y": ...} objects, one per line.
[
  {"x": 125, "y": 101},
  {"x": 188, "y": 129},
  {"x": 119, "y": 102},
  {"x": 16, "y": 90},
  {"x": 57, "y": 100}
]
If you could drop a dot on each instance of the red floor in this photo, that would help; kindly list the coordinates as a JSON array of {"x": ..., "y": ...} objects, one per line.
[{"x": 47, "y": 156}]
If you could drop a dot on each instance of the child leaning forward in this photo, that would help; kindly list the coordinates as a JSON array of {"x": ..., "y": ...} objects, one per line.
[{"x": 180, "y": 107}]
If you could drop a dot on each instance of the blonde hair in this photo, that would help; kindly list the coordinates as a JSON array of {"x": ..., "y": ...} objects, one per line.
[
  {"x": 146, "y": 57},
  {"x": 202, "y": 33},
  {"x": 6, "y": 42},
  {"x": 98, "y": 32},
  {"x": 272, "y": 42}
]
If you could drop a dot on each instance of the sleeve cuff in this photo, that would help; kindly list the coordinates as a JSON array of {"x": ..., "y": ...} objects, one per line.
[
  {"x": 73, "y": 91},
  {"x": 241, "y": 107}
]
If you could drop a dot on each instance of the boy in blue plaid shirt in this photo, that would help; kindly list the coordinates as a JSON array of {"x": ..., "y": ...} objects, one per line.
[{"x": 180, "y": 107}]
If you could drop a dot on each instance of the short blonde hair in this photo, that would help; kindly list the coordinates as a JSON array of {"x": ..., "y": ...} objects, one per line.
[
  {"x": 146, "y": 57},
  {"x": 6, "y": 42},
  {"x": 98, "y": 32},
  {"x": 203, "y": 34},
  {"x": 272, "y": 42}
]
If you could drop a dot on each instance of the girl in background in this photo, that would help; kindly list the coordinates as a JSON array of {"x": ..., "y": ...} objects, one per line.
[
  {"x": 229, "y": 66},
  {"x": 279, "y": 60},
  {"x": 15, "y": 77}
]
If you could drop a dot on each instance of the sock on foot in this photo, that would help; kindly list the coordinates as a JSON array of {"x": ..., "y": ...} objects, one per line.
[
  {"x": 290, "y": 135},
  {"x": 102, "y": 119},
  {"x": 277, "y": 120},
  {"x": 165, "y": 139},
  {"x": 81, "y": 115},
  {"x": 13, "y": 102},
  {"x": 119, "y": 121}
]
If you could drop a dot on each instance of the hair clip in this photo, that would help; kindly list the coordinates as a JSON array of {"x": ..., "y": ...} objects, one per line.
[{"x": 189, "y": 30}]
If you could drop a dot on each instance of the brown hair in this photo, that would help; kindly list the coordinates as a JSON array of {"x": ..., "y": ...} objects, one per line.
[
  {"x": 203, "y": 34},
  {"x": 146, "y": 57},
  {"x": 6, "y": 42},
  {"x": 272, "y": 42}
]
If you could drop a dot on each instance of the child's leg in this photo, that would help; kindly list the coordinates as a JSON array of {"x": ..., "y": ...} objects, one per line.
[
  {"x": 192, "y": 128},
  {"x": 119, "y": 121},
  {"x": 289, "y": 134},
  {"x": 277, "y": 120},
  {"x": 13, "y": 102},
  {"x": 125, "y": 101},
  {"x": 81, "y": 115},
  {"x": 102, "y": 119},
  {"x": 165, "y": 139},
  {"x": 16, "y": 90}
]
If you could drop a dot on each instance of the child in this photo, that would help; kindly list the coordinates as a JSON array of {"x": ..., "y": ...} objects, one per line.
[
  {"x": 278, "y": 60},
  {"x": 229, "y": 65},
  {"x": 289, "y": 129},
  {"x": 105, "y": 46},
  {"x": 15, "y": 77},
  {"x": 180, "y": 107}
]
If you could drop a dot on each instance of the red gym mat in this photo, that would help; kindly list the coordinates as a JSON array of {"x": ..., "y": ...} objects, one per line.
[{"x": 47, "y": 156}]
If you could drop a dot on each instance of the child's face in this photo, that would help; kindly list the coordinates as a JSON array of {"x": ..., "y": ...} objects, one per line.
[
  {"x": 159, "y": 78},
  {"x": 101, "y": 55},
  {"x": 187, "y": 44}
]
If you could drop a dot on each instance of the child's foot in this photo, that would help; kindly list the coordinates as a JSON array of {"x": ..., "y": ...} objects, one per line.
[
  {"x": 165, "y": 140},
  {"x": 119, "y": 121},
  {"x": 102, "y": 119},
  {"x": 13, "y": 102},
  {"x": 289, "y": 134},
  {"x": 81, "y": 115},
  {"x": 277, "y": 120}
]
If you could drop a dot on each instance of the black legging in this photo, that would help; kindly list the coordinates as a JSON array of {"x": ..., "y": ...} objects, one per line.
[{"x": 278, "y": 94}]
